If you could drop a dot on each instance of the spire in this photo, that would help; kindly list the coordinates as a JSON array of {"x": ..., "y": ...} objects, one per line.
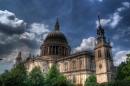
[
  {"x": 56, "y": 25},
  {"x": 99, "y": 24},
  {"x": 19, "y": 55},
  {"x": 100, "y": 31}
]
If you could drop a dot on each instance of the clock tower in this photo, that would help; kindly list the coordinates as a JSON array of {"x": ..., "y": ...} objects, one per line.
[{"x": 103, "y": 57}]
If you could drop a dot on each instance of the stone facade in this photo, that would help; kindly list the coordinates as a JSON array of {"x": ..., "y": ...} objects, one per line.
[{"x": 76, "y": 67}]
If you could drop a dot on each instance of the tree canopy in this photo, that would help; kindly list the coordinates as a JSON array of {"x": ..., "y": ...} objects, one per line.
[
  {"x": 123, "y": 70},
  {"x": 55, "y": 78},
  {"x": 35, "y": 77},
  {"x": 91, "y": 81}
]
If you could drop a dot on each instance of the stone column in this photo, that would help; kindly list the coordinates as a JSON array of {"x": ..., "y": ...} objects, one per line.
[
  {"x": 84, "y": 63},
  {"x": 78, "y": 65},
  {"x": 71, "y": 65},
  {"x": 61, "y": 50},
  {"x": 64, "y": 51},
  {"x": 43, "y": 51},
  {"x": 52, "y": 50},
  {"x": 55, "y": 49},
  {"x": 47, "y": 50}
]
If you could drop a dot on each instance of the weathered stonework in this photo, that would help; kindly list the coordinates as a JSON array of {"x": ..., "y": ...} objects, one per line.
[{"x": 76, "y": 67}]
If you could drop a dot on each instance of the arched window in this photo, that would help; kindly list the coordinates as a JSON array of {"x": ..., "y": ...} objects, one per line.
[
  {"x": 74, "y": 65},
  {"x": 66, "y": 66},
  {"x": 74, "y": 79},
  {"x": 99, "y": 54},
  {"x": 108, "y": 54}
]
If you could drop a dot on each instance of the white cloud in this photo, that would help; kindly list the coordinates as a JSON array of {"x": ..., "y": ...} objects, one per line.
[
  {"x": 100, "y": 0},
  {"x": 9, "y": 19},
  {"x": 126, "y": 4},
  {"x": 87, "y": 44},
  {"x": 96, "y": 0},
  {"x": 37, "y": 32},
  {"x": 104, "y": 22},
  {"x": 120, "y": 56},
  {"x": 120, "y": 9},
  {"x": 26, "y": 35},
  {"x": 39, "y": 28},
  {"x": 116, "y": 18}
]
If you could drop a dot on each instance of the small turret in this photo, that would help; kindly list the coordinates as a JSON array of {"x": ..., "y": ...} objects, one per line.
[{"x": 18, "y": 59}]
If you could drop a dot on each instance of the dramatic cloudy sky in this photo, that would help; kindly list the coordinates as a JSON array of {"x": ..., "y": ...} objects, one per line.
[{"x": 24, "y": 25}]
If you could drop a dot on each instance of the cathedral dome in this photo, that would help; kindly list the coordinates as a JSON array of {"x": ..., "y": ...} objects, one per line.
[
  {"x": 55, "y": 43},
  {"x": 56, "y": 37}
]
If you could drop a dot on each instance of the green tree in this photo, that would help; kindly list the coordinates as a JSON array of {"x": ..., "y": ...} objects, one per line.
[
  {"x": 126, "y": 68},
  {"x": 120, "y": 75},
  {"x": 16, "y": 76},
  {"x": 128, "y": 58},
  {"x": 0, "y": 81},
  {"x": 91, "y": 81},
  {"x": 4, "y": 77},
  {"x": 54, "y": 78},
  {"x": 35, "y": 77}
]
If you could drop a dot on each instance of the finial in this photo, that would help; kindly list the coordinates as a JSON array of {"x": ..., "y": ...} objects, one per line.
[
  {"x": 57, "y": 25},
  {"x": 99, "y": 26}
]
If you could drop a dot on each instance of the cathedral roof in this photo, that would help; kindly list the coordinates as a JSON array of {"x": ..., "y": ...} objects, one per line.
[{"x": 56, "y": 36}]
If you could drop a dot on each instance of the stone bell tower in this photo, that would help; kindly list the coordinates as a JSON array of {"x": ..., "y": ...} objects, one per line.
[{"x": 103, "y": 57}]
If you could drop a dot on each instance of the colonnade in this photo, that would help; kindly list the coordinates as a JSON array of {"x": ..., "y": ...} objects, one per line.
[{"x": 55, "y": 50}]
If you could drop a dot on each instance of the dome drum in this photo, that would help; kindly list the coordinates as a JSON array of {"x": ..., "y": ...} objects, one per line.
[{"x": 55, "y": 50}]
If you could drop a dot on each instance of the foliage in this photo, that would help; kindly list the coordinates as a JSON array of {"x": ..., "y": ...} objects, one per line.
[
  {"x": 119, "y": 73},
  {"x": 54, "y": 78},
  {"x": 0, "y": 80},
  {"x": 4, "y": 77},
  {"x": 35, "y": 77},
  {"x": 15, "y": 77},
  {"x": 123, "y": 70},
  {"x": 116, "y": 83},
  {"x": 91, "y": 81}
]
